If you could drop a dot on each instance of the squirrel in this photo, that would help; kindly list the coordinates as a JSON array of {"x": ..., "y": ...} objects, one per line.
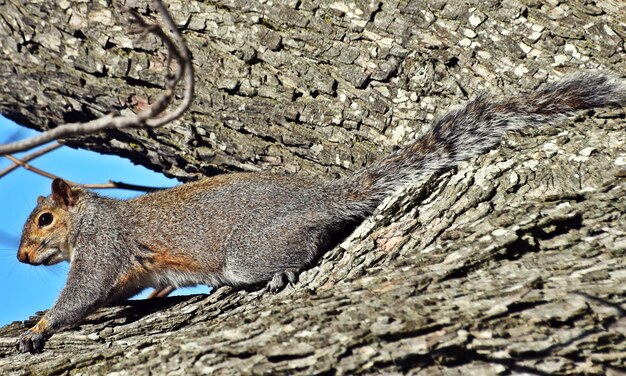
[{"x": 256, "y": 229}]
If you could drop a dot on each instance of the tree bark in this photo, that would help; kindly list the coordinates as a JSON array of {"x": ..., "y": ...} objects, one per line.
[{"x": 514, "y": 262}]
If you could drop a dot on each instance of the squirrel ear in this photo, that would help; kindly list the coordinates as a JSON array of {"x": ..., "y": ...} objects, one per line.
[
  {"x": 62, "y": 193},
  {"x": 40, "y": 199}
]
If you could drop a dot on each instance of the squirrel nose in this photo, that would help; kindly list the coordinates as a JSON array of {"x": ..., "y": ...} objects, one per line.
[{"x": 23, "y": 257}]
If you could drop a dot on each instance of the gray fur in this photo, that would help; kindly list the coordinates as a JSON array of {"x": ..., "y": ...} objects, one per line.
[{"x": 253, "y": 229}]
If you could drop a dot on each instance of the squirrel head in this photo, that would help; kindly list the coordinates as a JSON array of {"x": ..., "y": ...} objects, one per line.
[{"x": 45, "y": 238}]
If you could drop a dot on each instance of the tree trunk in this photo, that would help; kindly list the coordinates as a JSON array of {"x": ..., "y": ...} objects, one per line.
[{"x": 514, "y": 262}]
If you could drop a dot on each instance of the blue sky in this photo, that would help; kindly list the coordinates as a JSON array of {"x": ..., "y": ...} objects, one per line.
[{"x": 25, "y": 289}]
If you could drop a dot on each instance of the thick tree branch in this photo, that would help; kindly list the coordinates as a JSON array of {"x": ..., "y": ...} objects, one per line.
[{"x": 477, "y": 272}]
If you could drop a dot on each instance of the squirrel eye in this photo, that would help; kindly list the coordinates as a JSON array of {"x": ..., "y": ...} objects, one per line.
[{"x": 45, "y": 219}]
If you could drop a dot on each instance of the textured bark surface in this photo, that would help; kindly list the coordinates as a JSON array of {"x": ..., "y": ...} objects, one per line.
[{"x": 514, "y": 262}]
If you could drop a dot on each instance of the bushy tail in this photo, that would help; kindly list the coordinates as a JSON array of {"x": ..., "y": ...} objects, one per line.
[{"x": 477, "y": 127}]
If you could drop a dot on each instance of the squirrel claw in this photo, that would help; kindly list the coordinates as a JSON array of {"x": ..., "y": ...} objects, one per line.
[
  {"x": 278, "y": 281},
  {"x": 31, "y": 342}
]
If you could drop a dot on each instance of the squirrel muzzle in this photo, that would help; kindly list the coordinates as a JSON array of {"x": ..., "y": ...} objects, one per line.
[{"x": 40, "y": 255}]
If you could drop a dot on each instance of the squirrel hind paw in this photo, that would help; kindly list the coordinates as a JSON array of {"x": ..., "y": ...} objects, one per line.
[{"x": 280, "y": 280}]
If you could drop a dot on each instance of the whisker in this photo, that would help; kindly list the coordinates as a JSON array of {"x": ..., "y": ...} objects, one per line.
[
  {"x": 58, "y": 270},
  {"x": 12, "y": 269}
]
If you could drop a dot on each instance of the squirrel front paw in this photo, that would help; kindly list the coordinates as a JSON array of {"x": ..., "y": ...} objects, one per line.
[{"x": 31, "y": 342}]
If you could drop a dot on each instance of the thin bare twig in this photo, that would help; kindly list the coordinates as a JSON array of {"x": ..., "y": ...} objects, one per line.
[
  {"x": 146, "y": 118},
  {"x": 30, "y": 157},
  {"x": 28, "y": 167},
  {"x": 121, "y": 185},
  {"x": 110, "y": 185}
]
